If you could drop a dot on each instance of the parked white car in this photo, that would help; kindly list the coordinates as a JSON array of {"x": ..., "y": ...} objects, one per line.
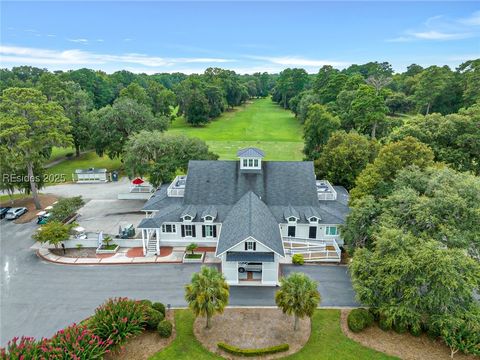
[{"x": 15, "y": 213}]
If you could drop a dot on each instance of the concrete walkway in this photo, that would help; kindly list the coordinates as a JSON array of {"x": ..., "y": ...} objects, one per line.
[{"x": 175, "y": 257}]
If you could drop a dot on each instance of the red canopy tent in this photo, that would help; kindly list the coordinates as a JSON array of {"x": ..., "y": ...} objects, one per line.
[{"x": 137, "y": 181}]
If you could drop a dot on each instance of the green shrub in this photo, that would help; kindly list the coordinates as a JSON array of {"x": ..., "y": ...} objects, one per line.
[
  {"x": 159, "y": 307},
  {"x": 298, "y": 259},
  {"x": 415, "y": 330},
  {"x": 147, "y": 303},
  {"x": 153, "y": 318},
  {"x": 253, "y": 352},
  {"x": 384, "y": 324},
  {"x": 165, "y": 328},
  {"x": 359, "y": 319},
  {"x": 400, "y": 328},
  {"x": 65, "y": 208},
  {"x": 118, "y": 319}
]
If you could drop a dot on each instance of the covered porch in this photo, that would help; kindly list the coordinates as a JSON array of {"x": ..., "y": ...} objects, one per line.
[
  {"x": 150, "y": 241},
  {"x": 250, "y": 268}
]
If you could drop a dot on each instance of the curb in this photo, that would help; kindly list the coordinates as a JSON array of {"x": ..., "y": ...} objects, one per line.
[{"x": 105, "y": 263}]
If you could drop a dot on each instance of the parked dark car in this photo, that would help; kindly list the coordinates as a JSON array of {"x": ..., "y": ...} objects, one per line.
[
  {"x": 3, "y": 211},
  {"x": 15, "y": 213}
]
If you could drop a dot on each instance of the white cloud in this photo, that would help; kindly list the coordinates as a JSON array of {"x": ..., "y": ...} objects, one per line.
[
  {"x": 437, "y": 35},
  {"x": 80, "y": 41},
  {"x": 73, "y": 57},
  {"x": 472, "y": 20},
  {"x": 298, "y": 61},
  {"x": 442, "y": 28}
]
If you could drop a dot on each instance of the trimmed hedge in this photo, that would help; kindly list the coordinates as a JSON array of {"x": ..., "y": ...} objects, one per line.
[
  {"x": 165, "y": 328},
  {"x": 253, "y": 352},
  {"x": 159, "y": 307},
  {"x": 153, "y": 318},
  {"x": 298, "y": 259},
  {"x": 359, "y": 319}
]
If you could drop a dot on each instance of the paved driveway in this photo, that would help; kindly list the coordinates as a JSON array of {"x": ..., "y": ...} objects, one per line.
[{"x": 37, "y": 298}]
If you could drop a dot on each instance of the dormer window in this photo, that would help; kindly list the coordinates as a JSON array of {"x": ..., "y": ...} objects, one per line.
[
  {"x": 292, "y": 219},
  {"x": 187, "y": 218},
  {"x": 313, "y": 219},
  {"x": 250, "y": 158},
  {"x": 208, "y": 218}
]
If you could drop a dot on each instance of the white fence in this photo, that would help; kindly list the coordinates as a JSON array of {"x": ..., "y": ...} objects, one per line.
[{"x": 313, "y": 250}]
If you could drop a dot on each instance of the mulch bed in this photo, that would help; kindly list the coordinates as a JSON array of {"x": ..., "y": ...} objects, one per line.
[
  {"x": 45, "y": 200},
  {"x": 144, "y": 345},
  {"x": 252, "y": 329},
  {"x": 80, "y": 253},
  {"x": 404, "y": 346}
]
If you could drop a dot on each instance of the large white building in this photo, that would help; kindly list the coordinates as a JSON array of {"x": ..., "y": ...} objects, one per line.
[{"x": 254, "y": 212}]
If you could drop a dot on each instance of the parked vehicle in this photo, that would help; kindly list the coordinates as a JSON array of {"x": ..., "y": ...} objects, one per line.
[
  {"x": 3, "y": 211},
  {"x": 249, "y": 266},
  {"x": 43, "y": 217},
  {"x": 15, "y": 213}
]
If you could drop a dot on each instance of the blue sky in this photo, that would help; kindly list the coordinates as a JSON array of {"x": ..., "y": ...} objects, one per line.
[{"x": 244, "y": 36}]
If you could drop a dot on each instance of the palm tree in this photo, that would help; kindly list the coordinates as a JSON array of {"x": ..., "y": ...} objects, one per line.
[
  {"x": 208, "y": 293},
  {"x": 298, "y": 295}
]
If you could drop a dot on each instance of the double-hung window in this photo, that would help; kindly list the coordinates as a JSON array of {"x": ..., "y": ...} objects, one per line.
[
  {"x": 312, "y": 232},
  {"x": 250, "y": 246},
  {"x": 209, "y": 231},
  {"x": 188, "y": 231},
  {"x": 169, "y": 229},
  {"x": 331, "y": 230}
]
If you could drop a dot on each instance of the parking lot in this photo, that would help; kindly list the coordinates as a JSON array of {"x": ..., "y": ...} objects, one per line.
[{"x": 102, "y": 211}]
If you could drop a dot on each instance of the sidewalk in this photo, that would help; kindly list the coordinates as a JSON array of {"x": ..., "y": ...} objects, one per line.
[{"x": 122, "y": 257}]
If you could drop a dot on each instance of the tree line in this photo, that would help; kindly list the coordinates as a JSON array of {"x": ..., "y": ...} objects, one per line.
[
  {"x": 407, "y": 146},
  {"x": 90, "y": 109}
]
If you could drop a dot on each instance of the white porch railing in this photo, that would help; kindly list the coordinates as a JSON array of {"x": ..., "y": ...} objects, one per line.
[
  {"x": 175, "y": 191},
  {"x": 141, "y": 189},
  {"x": 326, "y": 250}
]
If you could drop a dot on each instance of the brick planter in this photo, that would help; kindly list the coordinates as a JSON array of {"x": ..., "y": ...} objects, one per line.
[{"x": 190, "y": 261}]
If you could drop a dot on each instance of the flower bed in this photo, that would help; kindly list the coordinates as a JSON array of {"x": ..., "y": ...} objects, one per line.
[
  {"x": 107, "y": 249},
  {"x": 193, "y": 258}
]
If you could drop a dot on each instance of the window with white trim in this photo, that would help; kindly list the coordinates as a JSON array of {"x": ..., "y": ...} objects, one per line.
[
  {"x": 245, "y": 162},
  {"x": 255, "y": 162},
  {"x": 313, "y": 219},
  {"x": 169, "y": 229},
  {"x": 331, "y": 230},
  {"x": 292, "y": 219},
  {"x": 208, "y": 218},
  {"x": 250, "y": 246},
  {"x": 187, "y": 218},
  {"x": 291, "y": 231},
  {"x": 208, "y": 230},
  {"x": 188, "y": 230}
]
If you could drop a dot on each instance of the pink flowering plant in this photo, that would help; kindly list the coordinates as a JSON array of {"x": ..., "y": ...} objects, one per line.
[
  {"x": 119, "y": 319},
  {"x": 75, "y": 342},
  {"x": 24, "y": 348}
]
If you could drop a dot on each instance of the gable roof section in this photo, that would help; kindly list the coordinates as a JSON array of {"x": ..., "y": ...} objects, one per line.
[
  {"x": 209, "y": 211},
  {"x": 160, "y": 200},
  {"x": 311, "y": 212},
  {"x": 223, "y": 183},
  {"x": 250, "y": 217},
  {"x": 189, "y": 211},
  {"x": 290, "y": 212},
  {"x": 250, "y": 152}
]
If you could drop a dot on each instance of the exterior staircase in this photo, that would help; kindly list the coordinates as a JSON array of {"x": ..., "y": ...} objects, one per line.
[
  {"x": 313, "y": 250},
  {"x": 152, "y": 247}
]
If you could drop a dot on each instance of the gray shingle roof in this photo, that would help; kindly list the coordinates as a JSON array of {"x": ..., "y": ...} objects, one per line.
[
  {"x": 279, "y": 183},
  {"x": 289, "y": 212},
  {"x": 210, "y": 211},
  {"x": 190, "y": 211},
  {"x": 311, "y": 212},
  {"x": 250, "y": 152},
  {"x": 250, "y": 217}
]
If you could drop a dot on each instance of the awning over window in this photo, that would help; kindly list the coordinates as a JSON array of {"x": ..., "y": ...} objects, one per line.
[{"x": 250, "y": 256}]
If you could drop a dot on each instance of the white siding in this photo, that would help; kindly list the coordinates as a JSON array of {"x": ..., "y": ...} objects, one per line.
[
  {"x": 175, "y": 239},
  {"x": 241, "y": 246},
  {"x": 301, "y": 231},
  {"x": 270, "y": 272},
  {"x": 230, "y": 270}
]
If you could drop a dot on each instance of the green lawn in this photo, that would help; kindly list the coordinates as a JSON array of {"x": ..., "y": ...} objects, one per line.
[
  {"x": 326, "y": 342},
  {"x": 261, "y": 123},
  {"x": 185, "y": 345},
  {"x": 85, "y": 161}
]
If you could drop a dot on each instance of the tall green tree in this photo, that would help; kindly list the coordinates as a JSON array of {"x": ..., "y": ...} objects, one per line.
[
  {"x": 377, "y": 178},
  {"x": 368, "y": 110},
  {"x": 207, "y": 294},
  {"x": 160, "y": 156},
  {"x": 290, "y": 83},
  {"x": 298, "y": 296},
  {"x": 409, "y": 282},
  {"x": 470, "y": 80},
  {"x": 30, "y": 126},
  {"x": 135, "y": 92},
  {"x": 319, "y": 125},
  {"x": 344, "y": 156},
  {"x": 162, "y": 99},
  {"x": 53, "y": 233},
  {"x": 112, "y": 125}
]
